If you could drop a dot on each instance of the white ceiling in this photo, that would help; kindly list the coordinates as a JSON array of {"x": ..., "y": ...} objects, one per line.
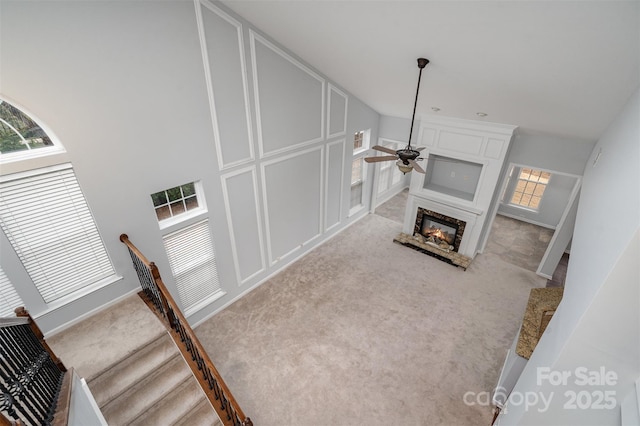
[{"x": 558, "y": 67}]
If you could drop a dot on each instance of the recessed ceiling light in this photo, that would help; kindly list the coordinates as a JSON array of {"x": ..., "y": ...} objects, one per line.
[
  {"x": 481, "y": 114},
  {"x": 435, "y": 109}
]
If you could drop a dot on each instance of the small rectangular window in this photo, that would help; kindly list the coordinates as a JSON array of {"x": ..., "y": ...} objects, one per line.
[
  {"x": 530, "y": 188},
  {"x": 358, "y": 169},
  {"x": 358, "y": 140},
  {"x": 177, "y": 204},
  {"x": 357, "y": 180}
]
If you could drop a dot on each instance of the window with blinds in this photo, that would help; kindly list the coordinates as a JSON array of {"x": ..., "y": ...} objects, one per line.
[
  {"x": 193, "y": 264},
  {"x": 48, "y": 222},
  {"x": 9, "y": 298}
]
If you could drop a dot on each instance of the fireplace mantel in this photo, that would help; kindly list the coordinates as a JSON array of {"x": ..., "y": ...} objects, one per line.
[{"x": 464, "y": 161}]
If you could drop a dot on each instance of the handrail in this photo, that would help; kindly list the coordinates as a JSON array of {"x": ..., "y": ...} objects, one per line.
[
  {"x": 34, "y": 384},
  {"x": 155, "y": 294}
]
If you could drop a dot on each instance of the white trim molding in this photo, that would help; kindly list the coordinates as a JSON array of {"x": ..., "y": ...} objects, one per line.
[
  {"x": 327, "y": 227},
  {"x": 267, "y": 218},
  {"x": 331, "y": 88},
  {"x": 222, "y": 165},
  {"x": 253, "y": 37},
  {"x": 227, "y": 206}
]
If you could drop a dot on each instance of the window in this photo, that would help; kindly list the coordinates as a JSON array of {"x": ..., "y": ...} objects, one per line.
[
  {"x": 21, "y": 137},
  {"x": 530, "y": 188},
  {"x": 193, "y": 265},
  {"x": 47, "y": 220},
  {"x": 357, "y": 179},
  {"x": 358, "y": 138},
  {"x": 388, "y": 174},
  {"x": 9, "y": 299},
  {"x": 358, "y": 170},
  {"x": 180, "y": 201}
]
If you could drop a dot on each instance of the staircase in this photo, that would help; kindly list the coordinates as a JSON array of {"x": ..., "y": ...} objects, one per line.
[
  {"x": 134, "y": 370},
  {"x": 152, "y": 386}
]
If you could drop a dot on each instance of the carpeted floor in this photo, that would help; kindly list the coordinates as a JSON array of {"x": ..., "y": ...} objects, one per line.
[{"x": 363, "y": 331}]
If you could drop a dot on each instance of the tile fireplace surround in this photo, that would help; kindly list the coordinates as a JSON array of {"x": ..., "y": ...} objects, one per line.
[{"x": 464, "y": 161}]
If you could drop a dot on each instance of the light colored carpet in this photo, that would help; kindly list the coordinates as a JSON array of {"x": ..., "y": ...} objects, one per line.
[
  {"x": 363, "y": 331},
  {"x": 519, "y": 243}
]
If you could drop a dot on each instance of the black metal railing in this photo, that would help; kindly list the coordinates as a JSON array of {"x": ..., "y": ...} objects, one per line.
[
  {"x": 31, "y": 377},
  {"x": 157, "y": 297}
]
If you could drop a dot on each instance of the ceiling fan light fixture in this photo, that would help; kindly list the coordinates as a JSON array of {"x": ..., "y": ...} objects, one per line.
[
  {"x": 407, "y": 158},
  {"x": 404, "y": 168}
]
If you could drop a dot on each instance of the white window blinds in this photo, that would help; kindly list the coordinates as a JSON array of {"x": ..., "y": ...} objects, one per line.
[
  {"x": 48, "y": 222},
  {"x": 9, "y": 299},
  {"x": 192, "y": 259}
]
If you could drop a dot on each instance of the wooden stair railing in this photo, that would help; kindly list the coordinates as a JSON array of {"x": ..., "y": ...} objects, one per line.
[
  {"x": 155, "y": 294},
  {"x": 35, "y": 386}
]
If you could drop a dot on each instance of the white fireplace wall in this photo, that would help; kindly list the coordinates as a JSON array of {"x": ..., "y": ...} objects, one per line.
[{"x": 476, "y": 142}]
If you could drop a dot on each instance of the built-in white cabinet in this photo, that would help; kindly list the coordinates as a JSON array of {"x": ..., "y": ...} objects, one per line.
[{"x": 463, "y": 163}]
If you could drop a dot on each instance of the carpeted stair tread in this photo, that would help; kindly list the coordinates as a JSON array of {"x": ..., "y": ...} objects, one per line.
[
  {"x": 104, "y": 339},
  {"x": 138, "y": 398},
  {"x": 201, "y": 415},
  {"x": 117, "y": 379},
  {"x": 174, "y": 406}
]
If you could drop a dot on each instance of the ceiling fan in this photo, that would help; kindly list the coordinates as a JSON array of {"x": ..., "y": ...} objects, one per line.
[{"x": 408, "y": 157}]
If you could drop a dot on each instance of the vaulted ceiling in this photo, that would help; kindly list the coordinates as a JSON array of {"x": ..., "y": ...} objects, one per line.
[{"x": 563, "y": 67}]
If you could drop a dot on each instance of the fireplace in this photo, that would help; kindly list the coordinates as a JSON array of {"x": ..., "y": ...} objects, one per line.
[{"x": 438, "y": 230}]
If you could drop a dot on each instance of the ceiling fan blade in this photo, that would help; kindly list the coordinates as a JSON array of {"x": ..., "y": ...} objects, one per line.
[
  {"x": 383, "y": 149},
  {"x": 380, "y": 158},
  {"x": 420, "y": 148},
  {"x": 416, "y": 166}
]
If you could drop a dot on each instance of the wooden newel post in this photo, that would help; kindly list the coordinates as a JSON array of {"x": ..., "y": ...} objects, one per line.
[{"x": 22, "y": 312}]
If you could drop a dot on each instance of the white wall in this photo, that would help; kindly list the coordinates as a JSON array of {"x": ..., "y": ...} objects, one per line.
[
  {"x": 565, "y": 158},
  {"x": 398, "y": 129},
  {"x": 597, "y": 323},
  {"x": 126, "y": 89}
]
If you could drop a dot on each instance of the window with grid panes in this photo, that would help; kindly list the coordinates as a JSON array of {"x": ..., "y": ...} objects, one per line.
[
  {"x": 530, "y": 188},
  {"x": 358, "y": 170},
  {"x": 357, "y": 180},
  {"x": 358, "y": 139}
]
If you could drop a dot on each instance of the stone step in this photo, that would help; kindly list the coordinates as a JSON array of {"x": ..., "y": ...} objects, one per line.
[
  {"x": 118, "y": 378},
  {"x": 138, "y": 398},
  {"x": 201, "y": 415},
  {"x": 179, "y": 404}
]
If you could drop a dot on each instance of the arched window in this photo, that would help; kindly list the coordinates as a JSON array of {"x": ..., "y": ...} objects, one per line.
[
  {"x": 21, "y": 137},
  {"x": 47, "y": 226}
]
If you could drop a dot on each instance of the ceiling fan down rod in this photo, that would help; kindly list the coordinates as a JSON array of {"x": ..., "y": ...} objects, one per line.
[{"x": 422, "y": 62}]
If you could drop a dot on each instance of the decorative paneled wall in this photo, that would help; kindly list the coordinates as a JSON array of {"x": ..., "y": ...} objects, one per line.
[
  {"x": 241, "y": 199},
  {"x": 266, "y": 101},
  {"x": 224, "y": 58},
  {"x": 334, "y": 183},
  {"x": 293, "y": 201},
  {"x": 337, "y": 116},
  {"x": 289, "y": 99}
]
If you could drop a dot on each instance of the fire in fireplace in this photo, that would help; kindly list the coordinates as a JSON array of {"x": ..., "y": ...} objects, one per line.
[{"x": 438, "y": 230}]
